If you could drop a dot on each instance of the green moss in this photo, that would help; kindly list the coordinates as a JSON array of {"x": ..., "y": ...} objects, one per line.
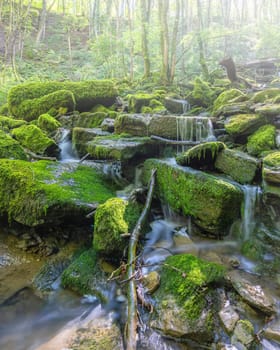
[
  {"x": 188, "y": 278},
  {"x": 4, "y": 109},
  {"x": 146, "y": 110},
  {"x": 10, "y": 148},
  {"x": 139, "y": 100},
  {"x": 266, "y": 95},
  {"x": 81, "y": 275},
  {"x": 31, "y": 109},
  {"x": 272, "y": 160},
  {"x": 269, "y": 111},
  {"x": 113, "y": 218},
  {"x": 33, "y": 138},
  {"x": 48, "y": 123},
  {"x": 202, "y": 94},
  {"x": 99, "y": 108},
  {"x": 244, "y": 124},
  {"x": 202, "y": 156},
  {"x": 226, "y": 97},
  {"x": 86, "y": 94},
  {"x": 253, "y": 250},
  {"x": 212, "y": 202},
  {"x": 7, "y": 123},
  {"x": 262, "y": 140},
  {"x": 31, "y": 193},
  {"x": 90, "y": 120}
]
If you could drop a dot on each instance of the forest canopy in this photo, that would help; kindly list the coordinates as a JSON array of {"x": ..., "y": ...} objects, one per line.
[{"x": 165, "y": 41}]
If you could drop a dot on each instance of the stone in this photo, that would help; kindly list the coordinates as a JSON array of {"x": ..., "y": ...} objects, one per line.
[
  {"x": 272, "y": 331},
  {"x": 269, "y": 110},
  {"x": 232, "y": 109},
  {"x": 238, "y": 165},
  {"x": 81, "y": 137},
  {"x": 244, "y": 333},
  {"x": 265, "y": 95},
  {"x": 212, "y": 202},
  {"x": 10, "y": 148},
  {"x": 176, "y": 106},
  {"x": 229, "y": 317},
  {"x": 271, "y": 176},
  {"x": 151, "y": 282},
  {"x": 262, "y": 140},
  {"x": 108, "y": 125},
  {"x": 252, "y": 292},
  {"x": 133, "y": 124}
]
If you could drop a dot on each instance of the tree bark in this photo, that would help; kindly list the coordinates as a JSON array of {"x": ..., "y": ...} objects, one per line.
[{"x": 131, "y": 341}]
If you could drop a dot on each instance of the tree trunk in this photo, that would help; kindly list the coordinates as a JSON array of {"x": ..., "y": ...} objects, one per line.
[
  {"x": 230, "y": 68},
  {"x": 164, "y": 40},
  {"x": 144, "y": 37}
]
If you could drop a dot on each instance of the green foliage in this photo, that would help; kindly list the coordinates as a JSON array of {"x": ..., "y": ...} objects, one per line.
[
  {"x": 262, "y": 140},
  {"x": 33, "y": 138},
  {"x": 188, "y": 279}
]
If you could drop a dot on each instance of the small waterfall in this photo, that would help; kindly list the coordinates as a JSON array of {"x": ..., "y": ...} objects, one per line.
[
  {"x": 67, "y": 153},
  {"x": 251, "y": 194},
  {"x": 194, "y": 129}
]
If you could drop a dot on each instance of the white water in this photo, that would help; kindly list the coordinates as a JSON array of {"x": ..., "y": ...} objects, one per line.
[
  {"x": 194, "y": 129},
  {"x": 251, "y": 194},
  {"x": 67, "y": 153}
]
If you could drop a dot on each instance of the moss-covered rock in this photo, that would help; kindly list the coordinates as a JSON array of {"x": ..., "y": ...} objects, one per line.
[
  {"x": 81, "y": 137},
  {"x": 269, "y": 110},
  {"x": 133, "y": 124},
  {"x": 242, "y": 125},
  {"x": 85, "y": 276},
  {"x": 122, "y": 148},
  {"x": 202, "y": 156},
  {"x": 272, "y": 160},
  {"x": 176, "y": 105},
  {"x": 85, "y": 94},
  {"x": 271, "y": 169},
  {"x": 112, "y": 219},
  {"x": 262, "y": 140},
  {"x": 238, "y": 165},
  {"x": 48, "y": 123},
  {"x": 225, "y": 98},
  {"x": 202, "y": 94},
  {"x": 10, "y": 148},
  {"x": 265, "y": 95},
  {"x": 7, "y": 123},
  {"x": 232, "y": 109},
  {"x": 90, "y": 120},
  {"x": 49, "y": 193},
  {"x": 58, "y": 102},
  {"x": 4, "y": 109},
  {"x": 33, "y": 138},
  {"x": 212, "y": 202},
  {"x": 185, "y": 286},
  {"x": 139, "y": 100}
]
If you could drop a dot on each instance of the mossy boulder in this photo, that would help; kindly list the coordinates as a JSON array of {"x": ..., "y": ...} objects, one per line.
[
  {"x": 49, "y": 193},
  {"x": 33, "y": 138},
  {"x": 58, "y": 102},
  {"x": 232, "y": 109},
  {"x": 271, "y": 169},
  {"x": 181, "y": 300},
  {"x": 238, "y": 165},
  {"x": 266, "y": 95},
  {"x": 85, "y": 276},
  {"x": 202, "y": 156},
  {"x": 225, "y": 98},
  {"x": 112, "y": 219},
  {"x": 269, "y": 110},
  {"x": 262, "y": 140},
  {"x": 202, "y": 94},
  {"x": 119, "y": 147},
  {"x": 90, "y": 120},
  {"x": 83, "y": 95},
  {"x": 133, "y": 124},
  {"x": 81, "y": 137},
  {"x": 176, "y": 105},
  {"x": 7, "y": 123},
  {"x": 212, "y": 202},
  {"x": 48, "y": 123},
  {"x": 137, "y": 101},
  {"x": 4, "y": 109},
  {"x": 10, "y": 148},
  {"x": 241, "y": 125},
  {"x": 272, "y": 160}
]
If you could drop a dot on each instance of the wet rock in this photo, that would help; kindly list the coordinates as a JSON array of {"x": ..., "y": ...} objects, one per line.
[
  {"x": 252, "y": 292},
  {"x": 176, "y": 106},
  {"x": 232, "y": 109},
  {"x": 81, "y": 137},
  {"x": 243, "y": 333},
  {"x": 269, "y": 110},
  {"x": 271, "y": 176},
  {"x": 151, "y": 282},
  {"x": 272, "y": 332},
  {"x": 229, "y": 317},
  {"x": 133, "y": 124},
  {"x": 108, "y": 125}
]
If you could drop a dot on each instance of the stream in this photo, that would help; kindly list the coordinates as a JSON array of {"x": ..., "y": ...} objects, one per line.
[{"x": 29, "y": 322}]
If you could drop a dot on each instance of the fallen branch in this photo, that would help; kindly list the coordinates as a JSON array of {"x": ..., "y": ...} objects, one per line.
[
  {"x": 174, "y": 142},
  {"x": 131, "y": 288},
  {"x": 37, "y": 156},
  {"x": 84, "y": 158}
]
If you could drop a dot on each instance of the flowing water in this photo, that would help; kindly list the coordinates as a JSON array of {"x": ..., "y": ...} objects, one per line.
[
  {"x": 251, "y": 194},
  {"x": 67, "y": 153}
]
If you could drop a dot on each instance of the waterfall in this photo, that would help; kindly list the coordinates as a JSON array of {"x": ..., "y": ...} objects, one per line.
[
  {"x": 250, "y": 201},
  {"x": 194, "y": 129},
  {"x": 65, "y": 144}
]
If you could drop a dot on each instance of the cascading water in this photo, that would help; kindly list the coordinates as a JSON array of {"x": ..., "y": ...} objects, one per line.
[
  {"x": 251, "y": 194},
  {"x": 67, "y": 153},
  {"x": 194, "y": 129}
]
